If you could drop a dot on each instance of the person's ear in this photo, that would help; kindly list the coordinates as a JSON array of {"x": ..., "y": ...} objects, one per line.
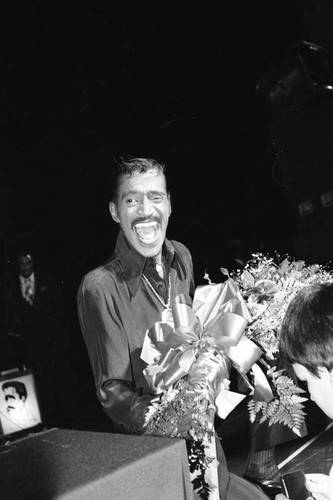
[{"x": 114, "y": 212}]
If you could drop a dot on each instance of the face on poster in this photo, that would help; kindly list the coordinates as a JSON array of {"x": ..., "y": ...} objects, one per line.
[{"x": 19, "y": 408}]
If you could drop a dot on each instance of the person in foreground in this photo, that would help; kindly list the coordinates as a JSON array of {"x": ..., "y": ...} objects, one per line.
[
  {"x": 121, "y": 299},
  {"x": 306, "y": 343}
]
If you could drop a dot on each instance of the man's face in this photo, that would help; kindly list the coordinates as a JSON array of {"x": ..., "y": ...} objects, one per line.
[
  {"x": 143, "y": 208},
  {"x": 320, "y": 388},
  {"x": 25, "y": 266},
  {"x": 14, "y": 402}
]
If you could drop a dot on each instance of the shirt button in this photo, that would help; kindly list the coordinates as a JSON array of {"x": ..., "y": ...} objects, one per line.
[{"x": 160, "y": 286}]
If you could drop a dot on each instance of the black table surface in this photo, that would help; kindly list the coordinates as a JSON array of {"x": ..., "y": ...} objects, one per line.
[{"x": 71, "y": 464}]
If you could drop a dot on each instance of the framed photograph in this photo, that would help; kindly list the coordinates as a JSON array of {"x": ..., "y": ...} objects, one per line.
[{"x": 19, "y": 408}]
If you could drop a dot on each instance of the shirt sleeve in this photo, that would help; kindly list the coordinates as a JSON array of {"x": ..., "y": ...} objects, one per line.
[
  {"x": 102, "y": 328},
  {"x": 126, "y": 406}
]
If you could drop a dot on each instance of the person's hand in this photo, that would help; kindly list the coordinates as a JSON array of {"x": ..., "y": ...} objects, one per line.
[
  {"x": 318, "y": 484},
  {"x": 281, "y": 496}
]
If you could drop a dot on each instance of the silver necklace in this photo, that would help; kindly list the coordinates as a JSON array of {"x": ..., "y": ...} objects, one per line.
[{"x": 166, "y": 305}]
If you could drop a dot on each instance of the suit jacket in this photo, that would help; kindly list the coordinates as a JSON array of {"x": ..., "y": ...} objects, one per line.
[{"x": 38, "y": 329}]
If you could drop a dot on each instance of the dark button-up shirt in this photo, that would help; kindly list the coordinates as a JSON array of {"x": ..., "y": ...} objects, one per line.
[{"x": 116, "y": 307}]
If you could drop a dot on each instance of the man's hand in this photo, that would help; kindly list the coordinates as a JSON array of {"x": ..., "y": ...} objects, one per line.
[{"x": 319, "y": 485}]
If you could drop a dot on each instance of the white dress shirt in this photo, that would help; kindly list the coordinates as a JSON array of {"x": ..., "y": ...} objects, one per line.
[{"x": 28, "y": 287}]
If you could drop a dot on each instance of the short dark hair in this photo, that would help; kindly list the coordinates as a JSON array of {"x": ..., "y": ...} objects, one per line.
[
  {"x": 129, "y": 167},
  {"x": 24, "y": 254},
  {"x": 18, "y": 386},
  {"x": 306, "y": 335}
]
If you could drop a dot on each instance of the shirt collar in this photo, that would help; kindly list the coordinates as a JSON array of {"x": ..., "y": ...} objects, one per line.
[{"x": 134, "y": 263}]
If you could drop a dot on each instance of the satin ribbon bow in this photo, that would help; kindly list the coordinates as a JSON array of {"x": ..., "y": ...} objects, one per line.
[{"x": 219, "y": 317}]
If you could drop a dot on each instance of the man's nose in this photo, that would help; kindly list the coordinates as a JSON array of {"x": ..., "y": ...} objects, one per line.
[{"x": 146, "y": 206}]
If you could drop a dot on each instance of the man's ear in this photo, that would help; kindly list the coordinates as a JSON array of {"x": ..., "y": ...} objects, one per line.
[{"x": 114, "y": 212}]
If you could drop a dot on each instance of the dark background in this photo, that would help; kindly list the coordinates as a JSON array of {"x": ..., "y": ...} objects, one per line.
[
  {"x": 184, "y": 82},
  {"x": 189, "y": 83}
]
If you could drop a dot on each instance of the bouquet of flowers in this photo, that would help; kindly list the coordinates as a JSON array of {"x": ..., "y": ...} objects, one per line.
[{"x": 189, "y": 359}]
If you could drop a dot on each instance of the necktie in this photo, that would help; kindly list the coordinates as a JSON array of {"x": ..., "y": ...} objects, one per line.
[{"x": 29, "y": 293}]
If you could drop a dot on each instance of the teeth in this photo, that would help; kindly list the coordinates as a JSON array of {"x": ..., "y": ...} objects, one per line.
[
  {"x": 146, "y": 230},
  {"x": 146, "y": 224}
]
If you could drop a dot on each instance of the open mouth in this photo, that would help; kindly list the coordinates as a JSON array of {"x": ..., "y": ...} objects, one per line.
[{"x": 146, "y": 231}]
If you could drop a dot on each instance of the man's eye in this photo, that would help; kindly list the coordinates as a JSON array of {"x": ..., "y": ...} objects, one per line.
[{"x": 131, "y": 201}]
